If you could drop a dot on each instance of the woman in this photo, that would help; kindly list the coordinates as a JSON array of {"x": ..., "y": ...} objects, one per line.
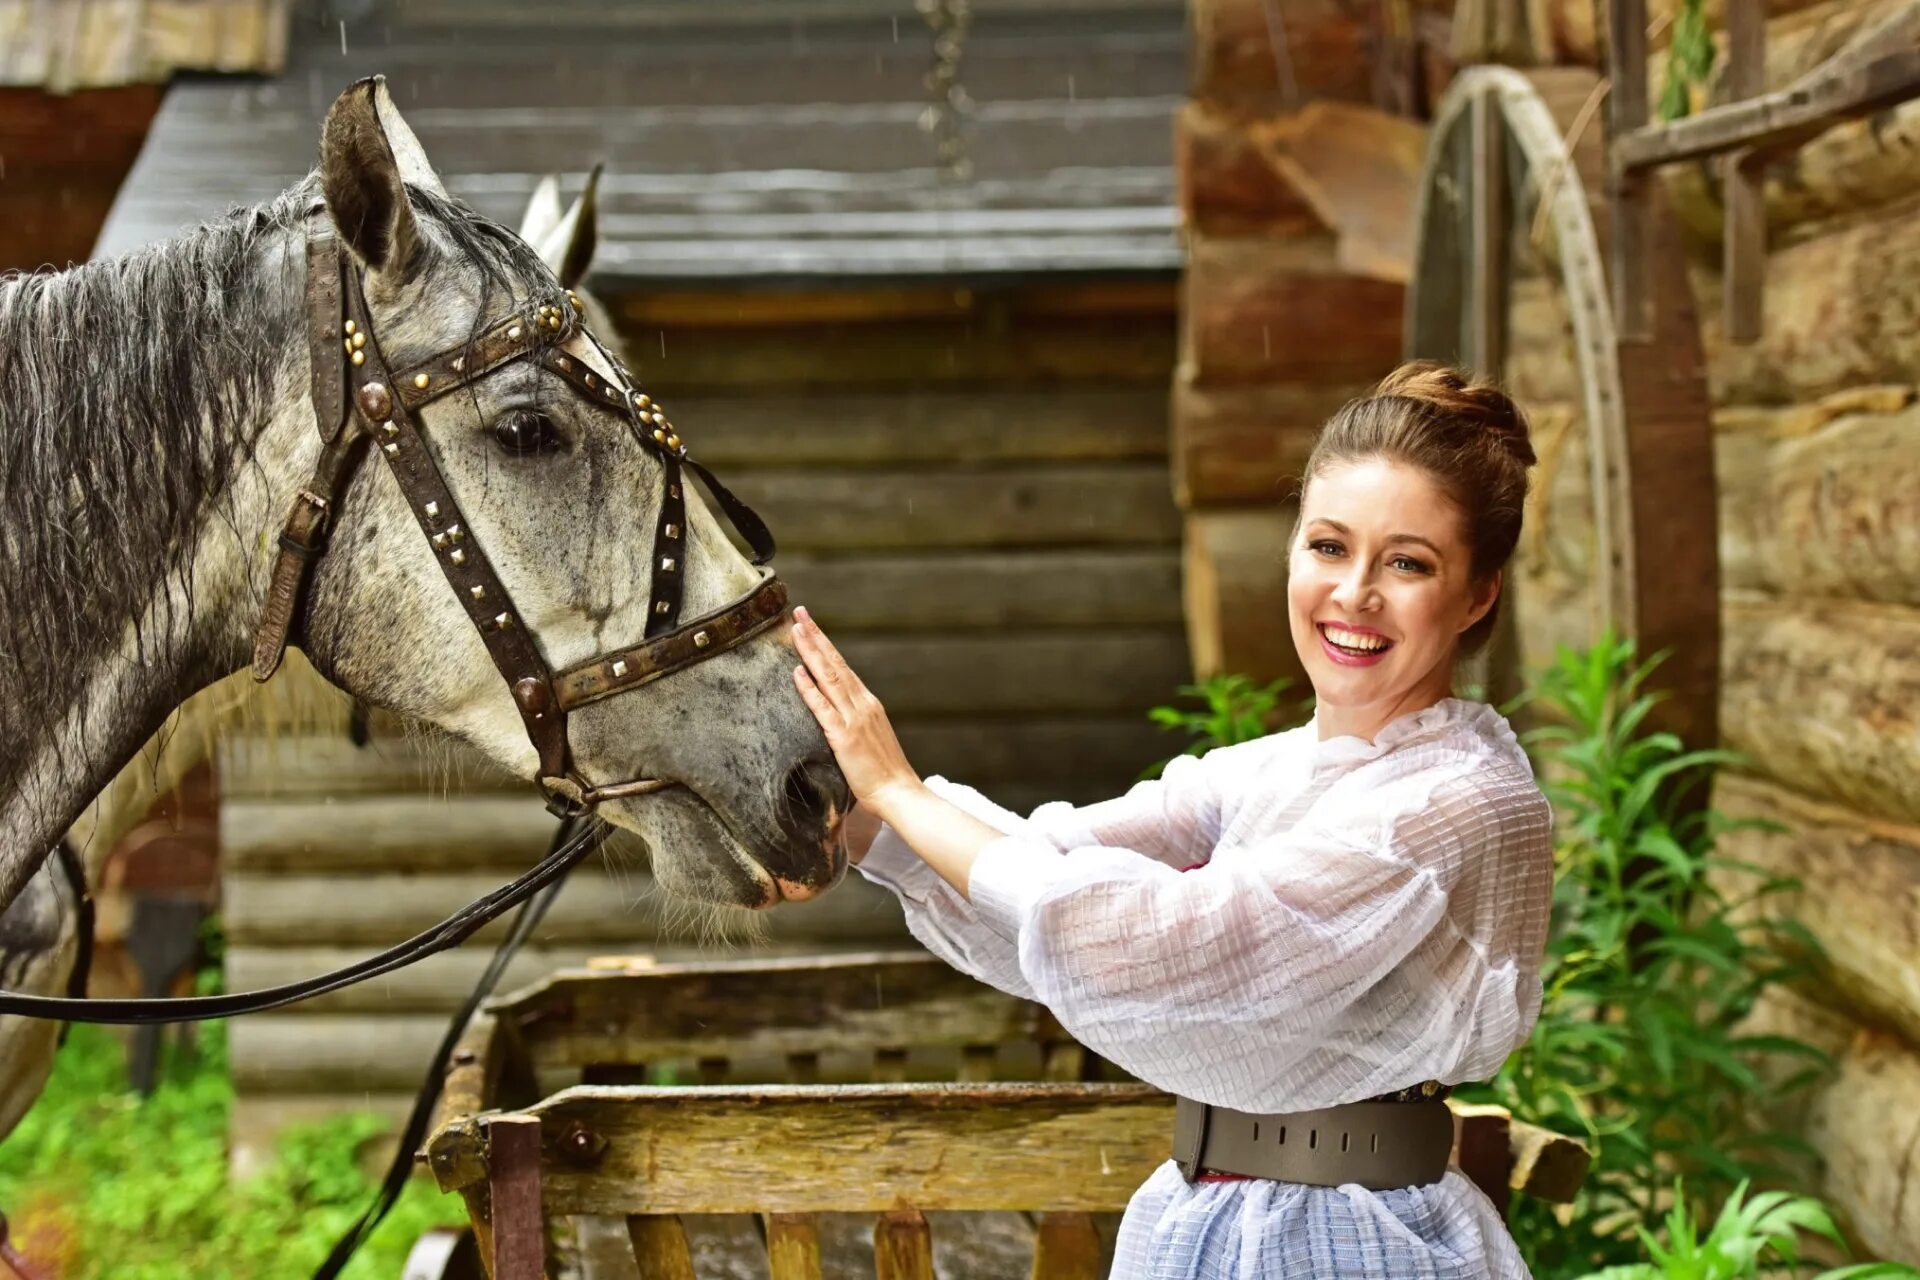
[{"x": 1353, "y": 910}]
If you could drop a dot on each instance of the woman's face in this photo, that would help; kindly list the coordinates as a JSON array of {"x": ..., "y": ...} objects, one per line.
[{"x": 1379, "y": 588}]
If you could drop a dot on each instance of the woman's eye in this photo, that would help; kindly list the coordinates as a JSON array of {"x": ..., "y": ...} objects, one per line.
[
  {"x": 1407, "y": 564},
  {"x": 525, "y": 433},
  {"x": 1324, "y": 547}
]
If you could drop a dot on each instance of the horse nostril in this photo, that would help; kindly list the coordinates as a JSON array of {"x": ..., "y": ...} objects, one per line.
[{"x": 812, "y": 797}]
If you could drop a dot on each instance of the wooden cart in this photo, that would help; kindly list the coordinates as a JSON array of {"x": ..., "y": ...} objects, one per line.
[{"x": 904, "y": 1088}]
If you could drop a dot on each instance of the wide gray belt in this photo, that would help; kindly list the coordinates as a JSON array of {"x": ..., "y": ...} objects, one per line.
[{"x": 1380, "y": 1145}]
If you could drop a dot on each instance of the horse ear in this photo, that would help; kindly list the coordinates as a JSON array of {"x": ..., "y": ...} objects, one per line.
[
  {"x": 543, "y": 210},
  {"x": 362, "y": 179},
  {"x": 567, "y": 247}
]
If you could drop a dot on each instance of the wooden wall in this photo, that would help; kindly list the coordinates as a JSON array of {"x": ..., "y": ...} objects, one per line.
[
  {"x": 1297, "y": 197},
  {"x": 1818, "y": 476}
]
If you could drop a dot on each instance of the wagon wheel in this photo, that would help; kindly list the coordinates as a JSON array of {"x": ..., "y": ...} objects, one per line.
[{"x": 1505, "y": 199}]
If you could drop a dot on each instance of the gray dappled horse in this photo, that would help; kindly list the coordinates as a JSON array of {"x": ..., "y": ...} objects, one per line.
[{"x": 155, "y": 426}]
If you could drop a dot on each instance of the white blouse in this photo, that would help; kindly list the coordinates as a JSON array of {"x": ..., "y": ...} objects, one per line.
[{"x": 1276, "y": 926}]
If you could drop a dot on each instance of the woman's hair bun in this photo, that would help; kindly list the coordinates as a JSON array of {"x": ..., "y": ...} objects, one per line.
[{"x": 1474, "y": 405}]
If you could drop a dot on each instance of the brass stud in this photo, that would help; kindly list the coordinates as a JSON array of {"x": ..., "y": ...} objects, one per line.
[
  {"x": 347, "y": 346},
  {"x": 503, "y": 621},
  {"x": 619, "y": 669},
  {"x": 673, "y": 491},
  {"x": 574, "y": 298},
  {"x": 375, "y": 400},
  {"x": 421, "y": 380},
  {"x": 390, "y": 428},
  {"x": 673, "y": 441},
  {"x": 459, "y": 364},
  {"x": 458, "y": 556},
  {"x": 359, "y": 341},
  {"x": 440, "y": 541},
  {"x": 590, "y": 379},
  {"x": 673, "y": 531},
  {"x": 359, "y": 358},
  {"x": 666, "y": 564},
  {"x": 661, "y": 607},
  {"x": 1430, "y": 1087},
  {"x": 350, "y": 327},
  {"x": 561, "y": 362},
  {"x": 514, "y": 331},
  {"x": 477, "y": 591},
  {"x": 433, "y": 508},
  {"x": 456, "y": 533},
  {"x": 392, "y": 449},
  {"x": 611, "y": 393},
  {"x": 659, "y": 436},
  {"x": 644, "y": 400},
  {"x": 701, "y": 639}
]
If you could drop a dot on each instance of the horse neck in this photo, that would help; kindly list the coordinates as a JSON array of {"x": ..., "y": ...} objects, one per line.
[{"x": 117, "y": 667}]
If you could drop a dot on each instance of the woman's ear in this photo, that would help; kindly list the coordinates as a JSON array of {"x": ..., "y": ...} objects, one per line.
[{"x": 1484, "y": 594}]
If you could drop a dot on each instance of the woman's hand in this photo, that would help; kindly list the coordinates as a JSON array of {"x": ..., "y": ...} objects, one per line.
[{"x": 855, "y": 723}]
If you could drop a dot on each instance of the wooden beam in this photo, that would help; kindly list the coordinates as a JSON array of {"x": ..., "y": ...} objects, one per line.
[
  {"x": 519, "y": 1230},
  {"x": 1487, "y": 349},
  {"x": 1628, "y": 195},
  {"x": 1776, "y": 121},
  {"x": 1743, "y": 191}
]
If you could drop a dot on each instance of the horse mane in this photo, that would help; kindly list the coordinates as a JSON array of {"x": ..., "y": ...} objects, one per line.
[{"x": 126, "y": 388}]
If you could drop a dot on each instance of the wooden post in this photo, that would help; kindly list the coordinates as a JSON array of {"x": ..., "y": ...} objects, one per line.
[
  {"x": 1482, "y": 1150},
  {"x": 1628, "y": 191},
  {"x": 1066, "y": 1247},
  {"x": 513, "y": 1186},
  {"x": 1744, "y": 250},
  {"x": 902, "y": 1246},
  {"x": 793, "y": 1246},
  {"x": 1487, "y": 350},
  {"x": 660, "y": 1247}
]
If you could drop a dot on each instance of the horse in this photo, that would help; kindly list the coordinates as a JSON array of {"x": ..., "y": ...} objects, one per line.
[
  {"x": 40, "y": 934},
  {"x": 157, "y": 418}
]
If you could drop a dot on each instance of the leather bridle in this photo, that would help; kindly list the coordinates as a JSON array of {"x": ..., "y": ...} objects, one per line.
[{"x": 356, "y": 394}]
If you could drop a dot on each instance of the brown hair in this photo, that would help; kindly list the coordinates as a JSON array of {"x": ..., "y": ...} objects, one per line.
[{"x": 1469, "y": 437}]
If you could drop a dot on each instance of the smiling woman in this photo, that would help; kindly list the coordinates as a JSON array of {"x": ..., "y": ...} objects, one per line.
[{"x": 1310, "y": 937}]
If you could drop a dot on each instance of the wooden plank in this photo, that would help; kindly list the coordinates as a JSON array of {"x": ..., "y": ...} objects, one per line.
[
  {"x": 1859, "y": 879},
  {"x": 1743, "y": 190},
  {"x": 382, "y": 833},
  {"x": 1247, "y": 444},
  {"x": 1022, "y": 672},
  {"x": 519, "y": 1230},
  {"x": 835, "y": 429},
  {"x": 1546, "y": 1165},
  {"x": 1236, "y": 593},
  {"x": 962, "y": 1147},
  {"x": 1228, "y": 184},
  {"x": 660, "y": 1247},
  {"x": 597, "y": 908},
  {"x": 1262, "y": 311},
  {"x": 814, "y": 1005},
  {"x": 1776, "y": 121},
  {"x": 1481, "y": 1149},
  {"x": 722, "y": 306},
  {"x": 1066, "y": 1247},
  {"x": 1359, "y": 169},
  {"x": 793, "y": 1246},
  {"x": 1491, "y": 250},
  {"x": 902, "y": 1246},
  {"x": 941, "y": 590},
  {"x": 1089, "y": 504},
  {"x": 1821, "y": 696},
  {"x": 1630, "y": 220}
]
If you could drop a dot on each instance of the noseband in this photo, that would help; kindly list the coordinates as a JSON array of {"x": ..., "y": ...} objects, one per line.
[{"x": 355, "y": 394}]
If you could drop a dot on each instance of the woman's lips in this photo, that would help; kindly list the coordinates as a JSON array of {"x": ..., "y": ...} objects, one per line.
[{"x": 1348, "y": 657}]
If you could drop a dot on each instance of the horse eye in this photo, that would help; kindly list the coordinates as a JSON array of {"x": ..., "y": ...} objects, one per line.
[{"x": 525, "y": 433}]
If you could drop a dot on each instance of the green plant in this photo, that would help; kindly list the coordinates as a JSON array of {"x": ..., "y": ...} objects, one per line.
[
  {"x": 1232, "y": 709},
  {"x": 111, "y": 1186},
  {"x": 1747, "y": 1236},
  {"x": 1652, "y": 963},
  {"x": 1690, "y": 59}
]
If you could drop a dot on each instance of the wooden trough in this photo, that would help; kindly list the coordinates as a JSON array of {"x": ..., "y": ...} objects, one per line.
[{"x": 905, "y": 1089}]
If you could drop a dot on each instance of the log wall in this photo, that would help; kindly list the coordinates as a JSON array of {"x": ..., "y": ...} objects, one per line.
[
  {"x": 1296, "y": 192},
  {"x": 1818, "y": 478}
]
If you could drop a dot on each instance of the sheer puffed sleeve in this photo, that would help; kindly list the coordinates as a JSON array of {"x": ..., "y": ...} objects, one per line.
[
  {"x": 1316, "y": 965},
  {"x": 1174, "y": 820}
]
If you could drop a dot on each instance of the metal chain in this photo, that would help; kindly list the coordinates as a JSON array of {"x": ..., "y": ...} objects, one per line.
[{"x": 946, "y": 117}]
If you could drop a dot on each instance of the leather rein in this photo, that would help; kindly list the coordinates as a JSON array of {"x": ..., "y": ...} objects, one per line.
[{"x": 355, "y": 394}]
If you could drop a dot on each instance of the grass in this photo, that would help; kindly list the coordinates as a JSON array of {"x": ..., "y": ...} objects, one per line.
[{"x": 102, "y": 1184}]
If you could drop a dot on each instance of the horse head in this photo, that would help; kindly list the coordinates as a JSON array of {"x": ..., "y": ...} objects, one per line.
[{"x": 564, "y": 498}]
